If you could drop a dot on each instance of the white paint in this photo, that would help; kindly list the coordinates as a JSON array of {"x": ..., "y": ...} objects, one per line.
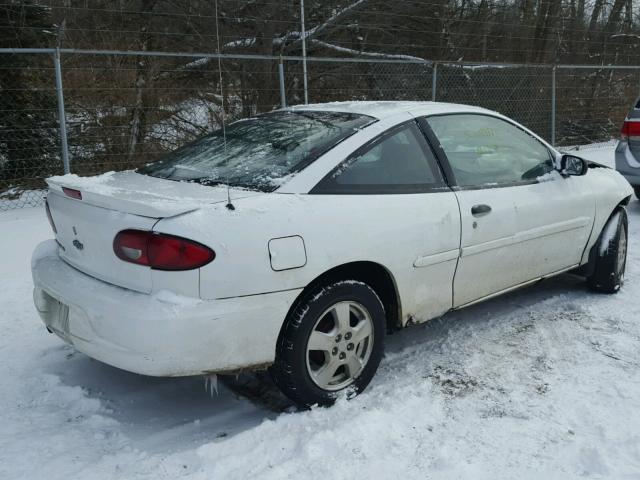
[
  {"x": 162, "y": 334},
  {"x": 532, "y": 231},
  {"x": 428, "y": 260},
  {"x": 143, "y": 195},
  {"x": 95, "y": 228},
  {"x": 287, "y": 252},
  {"x": 609, "y": 234}
]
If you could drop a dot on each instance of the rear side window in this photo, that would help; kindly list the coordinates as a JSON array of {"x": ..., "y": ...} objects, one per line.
[
  {"x": 483, "y": 150},
  {"x": 399, "y": 161}
]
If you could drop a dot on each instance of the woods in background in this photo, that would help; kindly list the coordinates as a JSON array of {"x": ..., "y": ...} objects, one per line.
[{"x": 538, "y": 31}]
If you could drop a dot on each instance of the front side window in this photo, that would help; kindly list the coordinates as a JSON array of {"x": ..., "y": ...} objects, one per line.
[
  {"x": 398, "y": 161},
  {"x": 260, "y": 152},
  {"x": 484, "y": 150}
]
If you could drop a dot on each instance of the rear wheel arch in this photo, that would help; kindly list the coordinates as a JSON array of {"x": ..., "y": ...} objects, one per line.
[{"x": 378, "y": 277}]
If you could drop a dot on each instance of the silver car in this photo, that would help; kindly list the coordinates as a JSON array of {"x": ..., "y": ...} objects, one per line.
[{"x": 628, "y": 150}]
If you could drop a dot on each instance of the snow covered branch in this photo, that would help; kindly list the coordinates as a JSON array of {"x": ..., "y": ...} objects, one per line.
[
  {"x": 626, "y": 35},
  {"x": 351, "y": 51},
  {"x": 336, "y": 17},
  {"x": 296, "y": 36}
]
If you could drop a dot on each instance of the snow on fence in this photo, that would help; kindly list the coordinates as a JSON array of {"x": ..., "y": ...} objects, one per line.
[{"x": 121, "y": 109}]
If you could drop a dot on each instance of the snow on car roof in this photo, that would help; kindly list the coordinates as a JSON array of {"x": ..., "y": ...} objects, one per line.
[{"x": 384, "y": 109}]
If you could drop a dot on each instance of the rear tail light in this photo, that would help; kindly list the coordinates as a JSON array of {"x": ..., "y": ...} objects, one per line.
[
  {"x": 49, "y": 217},
  {"x": 160, "y": 251},
  {"x": 630, "y": 130}
]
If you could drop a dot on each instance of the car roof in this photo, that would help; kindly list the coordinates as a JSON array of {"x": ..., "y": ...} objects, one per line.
[{"x": 384, "y": 109}]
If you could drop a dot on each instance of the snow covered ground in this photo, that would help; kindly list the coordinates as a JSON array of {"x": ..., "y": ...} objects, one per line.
[{"x": 541, "y": 383}]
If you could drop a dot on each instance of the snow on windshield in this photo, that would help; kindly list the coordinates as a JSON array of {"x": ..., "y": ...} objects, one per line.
[{"x": 258, "y": 152}]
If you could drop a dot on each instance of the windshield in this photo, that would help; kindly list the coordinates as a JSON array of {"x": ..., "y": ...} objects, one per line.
[{"x": 260, "y": 152}]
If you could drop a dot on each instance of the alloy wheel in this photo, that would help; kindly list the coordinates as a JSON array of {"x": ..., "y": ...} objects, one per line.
[{"x": 339, "y": 345}]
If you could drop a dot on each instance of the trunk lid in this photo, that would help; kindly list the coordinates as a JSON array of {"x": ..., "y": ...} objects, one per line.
[
  {"x": 143, "y": 195},
  {"x": 114, "y": 202}
]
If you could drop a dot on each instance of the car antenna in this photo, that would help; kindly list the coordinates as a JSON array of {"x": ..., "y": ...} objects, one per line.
[{"x": 224, "y": 130}]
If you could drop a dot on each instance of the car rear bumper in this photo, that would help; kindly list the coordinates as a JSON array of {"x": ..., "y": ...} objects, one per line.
[
  {"x": 627, "y": 164},
  {"x": 159, "y": 335}
]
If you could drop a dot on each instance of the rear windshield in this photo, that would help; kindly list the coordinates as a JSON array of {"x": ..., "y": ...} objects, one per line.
[{"x": 260, "y": 152}]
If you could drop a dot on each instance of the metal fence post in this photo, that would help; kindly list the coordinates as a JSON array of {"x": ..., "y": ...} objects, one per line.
[
  {"x": 304, "y": 54},
  {"x": 553, "y": 106},
  {"x": 434, "y": 81},
  {"x": 62, "y": 121},
  {"x": 283, "y": 98}
]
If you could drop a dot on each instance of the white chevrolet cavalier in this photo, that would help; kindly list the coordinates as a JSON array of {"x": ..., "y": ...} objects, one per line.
[{"x": 298, "y": 239}]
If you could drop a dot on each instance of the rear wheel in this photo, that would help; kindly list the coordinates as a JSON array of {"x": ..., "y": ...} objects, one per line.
[
  {"x": 332, "y": 341},
  {"x": 611, "y": 255}
]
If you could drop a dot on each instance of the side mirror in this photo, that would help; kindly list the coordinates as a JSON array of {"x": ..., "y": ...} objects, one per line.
[{"x": 572, "y": 165}]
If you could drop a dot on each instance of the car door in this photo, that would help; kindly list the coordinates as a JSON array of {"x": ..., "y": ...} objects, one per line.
[
  {"x": 520, "y": 219},
  {"x": 388, "y": 203}
]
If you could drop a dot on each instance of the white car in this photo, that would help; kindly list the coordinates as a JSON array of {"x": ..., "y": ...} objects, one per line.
[{"x": 296, "y": 239}]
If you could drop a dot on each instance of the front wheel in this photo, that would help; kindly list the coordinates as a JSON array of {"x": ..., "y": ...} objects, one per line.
[
  {"x": 611, "y": 255},
  {"x": 332, "y": 341}
]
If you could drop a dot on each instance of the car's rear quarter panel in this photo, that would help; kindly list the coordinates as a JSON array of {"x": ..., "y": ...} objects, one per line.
[{"x": 391, "y": 230}]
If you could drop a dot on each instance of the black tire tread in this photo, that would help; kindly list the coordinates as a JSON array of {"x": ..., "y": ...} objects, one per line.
[
  {"x": 286, "y": 371},
  {"x": 605, "y": 278}
]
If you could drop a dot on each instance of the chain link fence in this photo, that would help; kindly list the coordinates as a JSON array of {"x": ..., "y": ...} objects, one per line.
[
  {"x": 593, "y": 102},
  {"x": 29, "y": 136},
  {"x": 520, "y": 92},
  {"x": 125, "y": 109}
]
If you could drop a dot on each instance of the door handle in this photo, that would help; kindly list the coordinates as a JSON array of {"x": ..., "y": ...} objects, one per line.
[{"x": 479, "y": 210}]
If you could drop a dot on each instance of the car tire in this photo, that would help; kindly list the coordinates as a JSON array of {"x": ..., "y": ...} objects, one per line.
[
  {"x": 636, "y": 190},
  {"x": 331, "y": 341},
  {"x": 611, "y": 255}
]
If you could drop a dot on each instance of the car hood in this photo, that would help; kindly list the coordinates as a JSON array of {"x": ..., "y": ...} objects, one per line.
[{"x": 131, "y": 192}]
